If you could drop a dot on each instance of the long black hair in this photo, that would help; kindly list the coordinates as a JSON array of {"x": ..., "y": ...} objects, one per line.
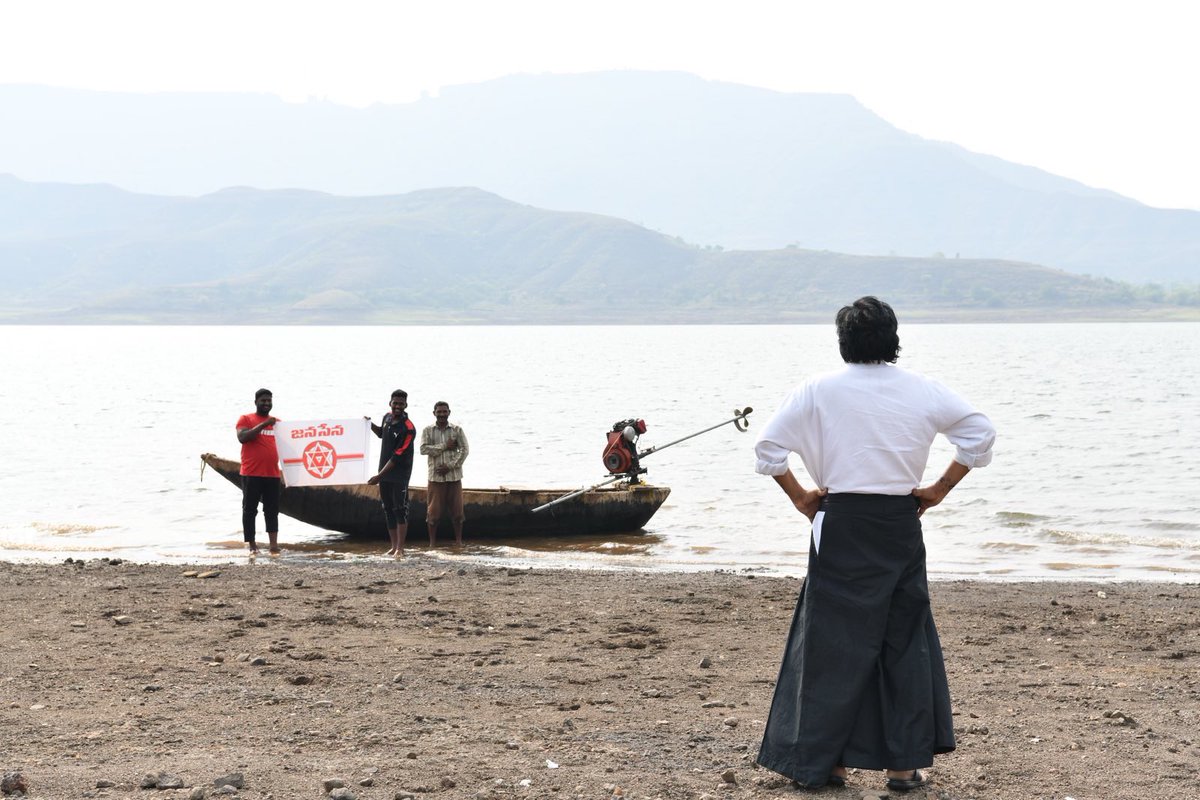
[{"x": 866, "y": 332}]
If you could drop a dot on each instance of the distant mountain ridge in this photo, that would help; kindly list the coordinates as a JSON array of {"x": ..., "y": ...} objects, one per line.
[
  {"x": 714, "y": 163},
  {"x": 100, "y": 254}
]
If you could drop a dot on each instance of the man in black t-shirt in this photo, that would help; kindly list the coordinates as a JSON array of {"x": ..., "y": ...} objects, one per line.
[{"x": 395, "y": 469}]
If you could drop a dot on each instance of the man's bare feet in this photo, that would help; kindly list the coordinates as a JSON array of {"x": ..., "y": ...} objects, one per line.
[
  {"x": 391, "y": 552},
  {"x": 398, "y": 554},
  {"x": 275, "y": 550}
]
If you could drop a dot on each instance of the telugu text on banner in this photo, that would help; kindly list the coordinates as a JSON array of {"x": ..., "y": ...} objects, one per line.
[{"x": 323, "y": 452}]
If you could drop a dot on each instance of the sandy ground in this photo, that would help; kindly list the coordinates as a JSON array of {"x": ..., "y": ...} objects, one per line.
[{"x": 429, "y": 679}]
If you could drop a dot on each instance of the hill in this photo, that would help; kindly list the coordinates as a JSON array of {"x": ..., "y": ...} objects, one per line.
[
  {"x": 100, "y": 254},
  {"x": 715, "y": 163}
]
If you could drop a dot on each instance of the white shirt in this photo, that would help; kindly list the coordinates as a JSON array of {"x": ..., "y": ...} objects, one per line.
[{"x": 867, "y": 428}]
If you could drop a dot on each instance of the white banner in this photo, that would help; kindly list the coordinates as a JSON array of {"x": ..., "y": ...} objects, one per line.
[{"x": 323, "y": 452}]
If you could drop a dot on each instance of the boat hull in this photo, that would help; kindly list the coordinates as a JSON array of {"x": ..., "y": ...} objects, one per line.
[{"x": 355, "y": 509}]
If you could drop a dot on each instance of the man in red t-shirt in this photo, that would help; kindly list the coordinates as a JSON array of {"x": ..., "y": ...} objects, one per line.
[{"x": 260, "y": 470}]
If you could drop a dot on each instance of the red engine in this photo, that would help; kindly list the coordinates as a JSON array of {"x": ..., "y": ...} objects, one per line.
[{"x": 620, "y": 453}]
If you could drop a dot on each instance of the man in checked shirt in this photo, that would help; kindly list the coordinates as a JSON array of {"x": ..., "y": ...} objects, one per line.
[{"x": 447, "y": 449}]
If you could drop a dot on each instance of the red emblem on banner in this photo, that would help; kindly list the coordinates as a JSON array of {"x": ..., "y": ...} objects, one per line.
[{"x": 320, "y": 459}]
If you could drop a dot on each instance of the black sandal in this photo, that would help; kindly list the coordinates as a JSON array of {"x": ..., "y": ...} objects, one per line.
[
  {"x": 836, "y": 781},
  {"x": 907, "y": 784}
]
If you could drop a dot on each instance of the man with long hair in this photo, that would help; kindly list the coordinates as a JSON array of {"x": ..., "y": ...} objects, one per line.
[{"x": 863, "y": 683}]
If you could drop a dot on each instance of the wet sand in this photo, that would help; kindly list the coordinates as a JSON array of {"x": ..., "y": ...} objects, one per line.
[{"x": 432, "y": 679}]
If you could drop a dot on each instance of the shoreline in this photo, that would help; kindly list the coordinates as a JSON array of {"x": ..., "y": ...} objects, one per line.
[
  {"x": 444, "y": 558},
  {"x": 448, "y": 679}
]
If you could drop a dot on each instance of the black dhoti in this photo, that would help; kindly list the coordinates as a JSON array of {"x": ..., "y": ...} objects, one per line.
[{"x": 862, "y": 683}]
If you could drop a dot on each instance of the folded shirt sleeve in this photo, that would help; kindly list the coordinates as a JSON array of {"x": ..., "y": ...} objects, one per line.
[
  {"x": 972, "y": 433},
  {"x": 973, "y": 439},
  {"x": 780, "y": 437}
]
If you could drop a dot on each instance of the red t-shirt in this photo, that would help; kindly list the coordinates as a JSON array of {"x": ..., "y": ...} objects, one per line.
[{"x": 259, "y": 456}]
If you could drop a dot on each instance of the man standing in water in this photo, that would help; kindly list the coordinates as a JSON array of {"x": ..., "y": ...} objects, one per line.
[
  {"x": 446, "y": 447},
  {"x": 260, "y": 470},
  {"x": 863, "y": 683},
  {"x": 395, "y": 469}
]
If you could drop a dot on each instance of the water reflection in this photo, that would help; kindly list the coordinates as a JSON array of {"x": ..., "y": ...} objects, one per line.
[
  {"x": 602, "y": 544},
  {"x": 599, "y": 544}
]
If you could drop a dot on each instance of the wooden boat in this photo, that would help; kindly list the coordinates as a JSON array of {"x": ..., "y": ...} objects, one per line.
[{"x": 355, "y": 509}]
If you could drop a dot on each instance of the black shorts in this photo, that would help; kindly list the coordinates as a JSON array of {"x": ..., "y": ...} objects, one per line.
[{"x": 394, "y": 497}]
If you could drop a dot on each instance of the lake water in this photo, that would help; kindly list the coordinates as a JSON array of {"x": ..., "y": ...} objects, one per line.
[{"x": 1094, "y": 477}]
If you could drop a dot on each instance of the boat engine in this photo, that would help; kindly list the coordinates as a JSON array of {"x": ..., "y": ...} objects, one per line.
[
  {"x": 620, "y": 453},
  {"x": 621, "y": 456}
]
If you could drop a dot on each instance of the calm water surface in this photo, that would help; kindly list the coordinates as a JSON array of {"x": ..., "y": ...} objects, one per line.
[{"x": 1094, "y": 475}]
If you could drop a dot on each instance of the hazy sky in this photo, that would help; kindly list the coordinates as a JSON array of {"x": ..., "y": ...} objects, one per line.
[{"x": 1099, "y": 91}]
